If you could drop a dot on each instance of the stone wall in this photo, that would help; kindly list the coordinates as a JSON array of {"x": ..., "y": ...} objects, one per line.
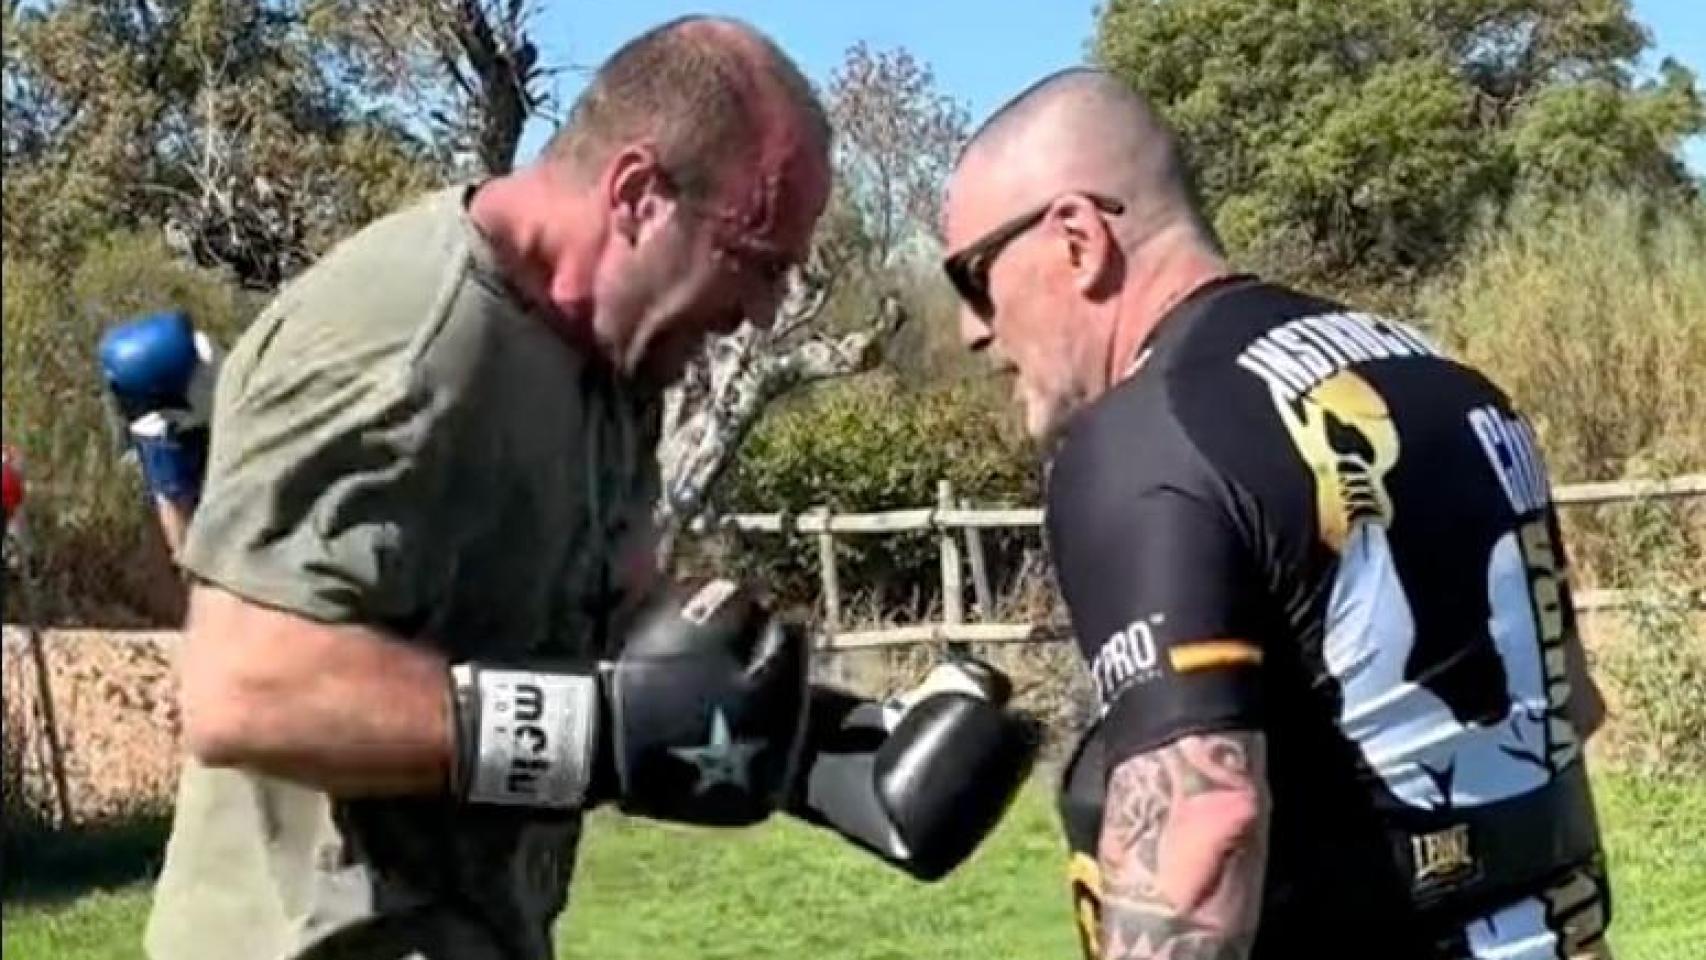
[{"x": 116, "y": 718}]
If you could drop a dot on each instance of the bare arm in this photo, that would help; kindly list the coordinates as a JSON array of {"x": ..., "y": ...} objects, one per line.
[
  {"x": 174, "y": 523},
  {"x": 345, "y": 709},
  {"x": 1184, "y": 848}
]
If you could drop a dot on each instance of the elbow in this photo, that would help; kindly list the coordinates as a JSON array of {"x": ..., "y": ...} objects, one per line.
[
  {"x": 216, "y": 729},
  {"x": 222, "y": 706},
  {"x": 1214, "y": 851}
]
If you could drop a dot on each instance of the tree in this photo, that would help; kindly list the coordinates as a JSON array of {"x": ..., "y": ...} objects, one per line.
[
  {"x": 1356, "y": 142},
  {"x": 1573, "y": 138},
  {"x": 897, "y": 141},
  {"x": 228, "y": 124},
  {"x": 466, "y": 72}
]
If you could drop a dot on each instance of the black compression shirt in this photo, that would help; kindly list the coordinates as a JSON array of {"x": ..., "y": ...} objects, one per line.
[{"x": 1303, "y": 520}]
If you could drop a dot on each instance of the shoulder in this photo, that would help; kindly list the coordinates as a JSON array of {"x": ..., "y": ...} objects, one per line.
[
  {"x": 400, "y": 308},
  {"x": 1190, "y": 422},
  {"x": 380, "y": 294},
  {"x": 1147, "y": 432},
  {"x": 1125, "y": 465},
  {"x": 1128, "y": 438}
]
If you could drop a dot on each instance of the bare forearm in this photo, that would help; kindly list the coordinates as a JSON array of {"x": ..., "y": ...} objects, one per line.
[
  {"x": 174, "y": 522},
  {"x": 343, "y": 709},
  {"x": 1183, "y": 850}
]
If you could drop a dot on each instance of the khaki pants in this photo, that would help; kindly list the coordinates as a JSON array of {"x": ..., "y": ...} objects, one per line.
[
  {"x": 251, "y": 873},
  {"x": 238, "y": 869}
]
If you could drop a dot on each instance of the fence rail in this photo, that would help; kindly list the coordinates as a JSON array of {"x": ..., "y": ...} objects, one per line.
[
  {"x": 958, "y": 528},
  {"x": 966, "y": 551},
  {"x": 953, "y": 521},
  {"x": 822, "y": 520}
]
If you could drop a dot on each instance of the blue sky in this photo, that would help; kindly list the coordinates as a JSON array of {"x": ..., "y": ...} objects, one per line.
[{"x": 982, "y": 51}]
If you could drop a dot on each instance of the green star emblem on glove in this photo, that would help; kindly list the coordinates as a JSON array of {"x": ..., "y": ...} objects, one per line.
[{"x": 723, "y": 759}]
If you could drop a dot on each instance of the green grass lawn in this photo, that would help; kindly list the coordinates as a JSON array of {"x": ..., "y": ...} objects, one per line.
[{"x": 783, "y": 891}]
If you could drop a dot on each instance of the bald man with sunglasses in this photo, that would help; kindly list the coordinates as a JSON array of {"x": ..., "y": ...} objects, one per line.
[{"x": 1312, "y": 566}]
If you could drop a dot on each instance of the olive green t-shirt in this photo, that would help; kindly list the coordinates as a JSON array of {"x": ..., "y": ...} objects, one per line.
[{"x": 399, "y": 442}]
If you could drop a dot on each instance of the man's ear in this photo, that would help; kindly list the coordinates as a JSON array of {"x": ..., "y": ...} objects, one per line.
[
  {"x": 1090, "y": 247},
  {"x": 633, "y": 189}
]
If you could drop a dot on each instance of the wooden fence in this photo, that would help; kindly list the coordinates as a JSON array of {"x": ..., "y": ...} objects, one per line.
[{"x": 958, "y": 527}]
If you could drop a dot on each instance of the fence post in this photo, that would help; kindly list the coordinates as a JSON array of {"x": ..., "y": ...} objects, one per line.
[
  {"x": 979, "y": 569},
  {"x": 44, "y": 687},
  {"x": 953, "y": 582},
  {"x": 831, "y": 581}
]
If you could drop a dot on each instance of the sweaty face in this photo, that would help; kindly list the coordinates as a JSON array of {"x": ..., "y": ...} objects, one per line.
[
  {"x": 725, "y": 258},
  {"x": 1037, "y": 328}
]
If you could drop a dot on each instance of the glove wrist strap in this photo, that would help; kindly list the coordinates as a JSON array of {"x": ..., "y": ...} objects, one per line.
[{"x": 524, "y": 737}]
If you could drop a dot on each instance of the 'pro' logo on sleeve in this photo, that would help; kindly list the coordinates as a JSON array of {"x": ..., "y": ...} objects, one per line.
[{"x": 1128, "y": 657}]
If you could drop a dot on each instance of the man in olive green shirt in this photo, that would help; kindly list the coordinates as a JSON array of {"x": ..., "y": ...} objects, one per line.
[{"x": 436, "y": 444}]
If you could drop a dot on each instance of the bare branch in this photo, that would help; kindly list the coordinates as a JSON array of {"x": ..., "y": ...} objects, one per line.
[
  {"x": 804, "y": 304},
  {"x": 823, "y": 358}
]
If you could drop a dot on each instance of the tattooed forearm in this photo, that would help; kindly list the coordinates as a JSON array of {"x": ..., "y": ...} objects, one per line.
[{"x": 1183, "y": 848}]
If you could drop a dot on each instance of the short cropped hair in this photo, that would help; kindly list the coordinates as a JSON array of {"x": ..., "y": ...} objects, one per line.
[{"x": 694, "y": 87}]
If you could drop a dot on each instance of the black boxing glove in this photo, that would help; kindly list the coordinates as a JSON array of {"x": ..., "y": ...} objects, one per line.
[
  {"x": 700, "y": 719},
  {"x": 922, "y": 780},
  {"x": 708, "y": 706}
]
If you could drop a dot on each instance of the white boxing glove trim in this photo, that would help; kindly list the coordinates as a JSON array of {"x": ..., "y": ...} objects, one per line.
[
  {"x": 205, "y": 380},
  {"x": 536, "y": 736},
  {"x": 946, "y": 677},
  {"x": 162, "y": 424}
]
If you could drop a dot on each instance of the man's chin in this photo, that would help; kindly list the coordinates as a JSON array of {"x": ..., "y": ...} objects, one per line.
[
  {"x": 1045, "y": 434},
  {"x": 1045, "y": 421},
  {"x": 663, "y": 367},
  {"x": 658, "y": 376}
]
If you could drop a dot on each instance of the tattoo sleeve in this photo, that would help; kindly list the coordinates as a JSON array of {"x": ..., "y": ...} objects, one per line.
[{"x": 1183, "y": 850}]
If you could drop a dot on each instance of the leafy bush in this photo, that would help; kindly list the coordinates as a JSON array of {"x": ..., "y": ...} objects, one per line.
[
  {"x": 1657, "y": 667},
  {"x": 1593, "y": 316},
  {"x": 95, "y": 547},
  {"x": 863, "y": 446}
]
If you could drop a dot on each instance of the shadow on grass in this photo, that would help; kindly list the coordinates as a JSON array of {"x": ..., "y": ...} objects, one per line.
[{"x": 43, "y": 864}]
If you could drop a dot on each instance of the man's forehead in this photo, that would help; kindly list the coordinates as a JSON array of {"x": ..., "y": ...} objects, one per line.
[{"x": 966, "y": 204}]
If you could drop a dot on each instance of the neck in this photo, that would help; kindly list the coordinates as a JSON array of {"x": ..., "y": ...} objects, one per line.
[
  {"x": 1165, "y": 269},
  {"x": 528, "y": 219}
]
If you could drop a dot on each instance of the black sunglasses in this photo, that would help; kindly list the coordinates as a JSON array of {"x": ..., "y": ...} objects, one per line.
[{"x": 968, "y": 270}]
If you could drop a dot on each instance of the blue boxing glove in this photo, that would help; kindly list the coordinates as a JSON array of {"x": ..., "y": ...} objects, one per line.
[{"x": 160, "y": 372}]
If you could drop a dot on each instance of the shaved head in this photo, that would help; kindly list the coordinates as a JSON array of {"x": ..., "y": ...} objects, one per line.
[
  {"x": 1084, "y": 129},
  {"x": 1072, "y": 229}
]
